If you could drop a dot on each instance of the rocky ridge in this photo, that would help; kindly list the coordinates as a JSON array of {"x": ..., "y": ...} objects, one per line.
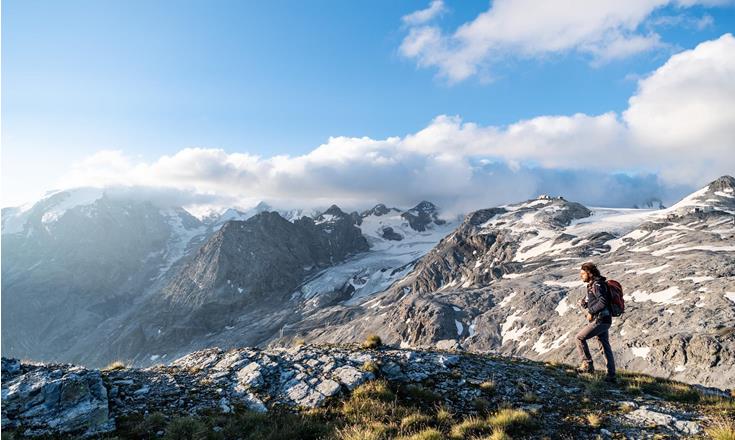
[{"x": 42, "y": 399}]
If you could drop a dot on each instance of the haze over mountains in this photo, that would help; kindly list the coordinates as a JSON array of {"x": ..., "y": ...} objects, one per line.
[{"x": 89, "y": 276}]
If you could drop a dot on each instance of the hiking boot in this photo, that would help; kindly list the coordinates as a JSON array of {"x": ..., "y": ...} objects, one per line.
[
  {"x": 611, "y": 379},
  {"x": 586, "y": 367}
]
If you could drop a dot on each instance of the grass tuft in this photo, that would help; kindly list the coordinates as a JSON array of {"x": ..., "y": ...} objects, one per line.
[
  {"x": 470, "y": 426},
  {"x": 594, "y": 420},
  {"x": 498, "y": 434},
  {"x": 420, "y": 393},
  {"x": 723, "y": 429},
  {"x": 115, "y": 365},
  {"x": 510, "y": 419},
  {"x": 371, "y": 367},
  {"x": 488, "y": 386},
  {"x": 372, "y": 341},
  {"x": 413, "y": 422},
  {"x": 426, "y": 434}
]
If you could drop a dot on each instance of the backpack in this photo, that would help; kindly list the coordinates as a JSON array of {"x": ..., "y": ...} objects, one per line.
[{"x": 617, "y": 304}]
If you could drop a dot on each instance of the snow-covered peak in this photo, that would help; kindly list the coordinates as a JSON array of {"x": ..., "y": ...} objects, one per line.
[
  {"x": 718, "y": 195},
  {"x": 49, "y": 208},
  {"x": 378, "y": 210},
  {"x": 330, "y": 215},
  {"x": 424, "y": 206},
  {"x": 542, "y": 213}
]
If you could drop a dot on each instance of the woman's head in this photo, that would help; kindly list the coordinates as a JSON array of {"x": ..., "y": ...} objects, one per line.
[{"x": 588, "y": 271}]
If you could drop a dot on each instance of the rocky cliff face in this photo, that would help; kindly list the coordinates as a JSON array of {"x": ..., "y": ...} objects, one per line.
[
  {"x": 239, "y": 282},
  {"x": 55, "y": 399}
]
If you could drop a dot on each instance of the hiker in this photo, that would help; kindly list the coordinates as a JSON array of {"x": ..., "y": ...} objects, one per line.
[{"x": 597, "y": 304}]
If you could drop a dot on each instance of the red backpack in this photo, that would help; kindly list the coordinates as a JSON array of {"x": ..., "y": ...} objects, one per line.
[{"x": 617, "y": 304}]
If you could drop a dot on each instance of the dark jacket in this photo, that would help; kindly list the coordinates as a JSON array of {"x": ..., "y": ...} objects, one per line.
[{"x": 598, "y": 300}]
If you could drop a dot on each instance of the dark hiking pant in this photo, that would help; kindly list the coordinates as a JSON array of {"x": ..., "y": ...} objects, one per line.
[{"x": 599, "y": 330}]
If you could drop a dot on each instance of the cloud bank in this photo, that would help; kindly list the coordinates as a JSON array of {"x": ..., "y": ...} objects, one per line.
[
  {"x": 604, "y": 30},
  {"x": 677, "y": 133}
]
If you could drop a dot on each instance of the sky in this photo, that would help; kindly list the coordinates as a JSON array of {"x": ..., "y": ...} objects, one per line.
[{"x": 465, "y": 103}]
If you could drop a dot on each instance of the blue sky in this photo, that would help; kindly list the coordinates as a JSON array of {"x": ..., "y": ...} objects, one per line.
[{"x": 150, "y": 78}]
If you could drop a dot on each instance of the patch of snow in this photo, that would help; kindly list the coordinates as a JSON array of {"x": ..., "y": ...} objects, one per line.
[
  {"x": 325, "y": 218},
  {"x": 507, "y": 299},
  {"x": 179, "y": 238},
  {"x": 665, "y": 296},
  {"x": 506, "y": 329},
  {"x": 540, "y": 244},
  {"x": 680, "y": 368},
  {"x": 701, "y": 302},
  {"x": 704, "y": 248},
  {"x": 75, "y": 197},
  {"x": 471, "y": 328},
  {"x": 563, "y": 283},
  {"x": 460, "y": 327},
  {"x": 650, "y": 271},
  {"x": 730, "y": 296},
  {"x": 691, "y": 200},
  {"x": 619, "y": 221},
  {"x": 697, "y": 280},
  {"x": 641, "y": 352},
  {"x": 563, "y": 307},
  {"x": 540, "y": 346}
]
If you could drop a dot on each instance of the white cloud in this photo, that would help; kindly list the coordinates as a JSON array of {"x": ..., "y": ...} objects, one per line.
[
  {"x": 422, "y": 16},
  {"x": 604, "y": 29},
  {"x": 686, "y": 109},
  {"x": 679, "y": 124}
]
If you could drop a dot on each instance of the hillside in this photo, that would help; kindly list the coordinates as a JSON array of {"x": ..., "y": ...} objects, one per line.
[
  {"x": 350, "y": 392},
  {"x": 506, "y": 281}
]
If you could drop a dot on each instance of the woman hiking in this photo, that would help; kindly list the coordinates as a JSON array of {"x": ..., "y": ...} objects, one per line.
[{"x": 597, "y": 305}]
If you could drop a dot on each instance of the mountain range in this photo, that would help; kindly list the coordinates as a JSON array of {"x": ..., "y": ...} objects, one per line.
[{"x": 90, "y": 276}]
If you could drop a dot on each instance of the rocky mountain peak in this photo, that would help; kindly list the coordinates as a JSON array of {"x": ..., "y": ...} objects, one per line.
[
  {"x": 718, "y": 196},
  {"x": 424, "y": 206},
  {"x": 723, "y": 183},
  {"x": 377, "y": 210},
  {"x": 262, "y": 206},
  {"x": 332, "y": 211},
  {"x": 422, "y": 215}
]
